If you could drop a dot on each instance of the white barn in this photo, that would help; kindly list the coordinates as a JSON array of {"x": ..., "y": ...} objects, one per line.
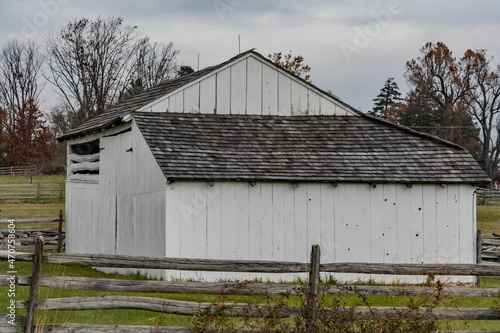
[{"x": 245, "y": 161}]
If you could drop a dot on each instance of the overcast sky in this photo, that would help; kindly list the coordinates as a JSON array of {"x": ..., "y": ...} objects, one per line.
[{"x": 352, "y": 46}]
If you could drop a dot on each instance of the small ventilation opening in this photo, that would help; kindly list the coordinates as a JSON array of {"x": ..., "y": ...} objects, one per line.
[{"x": 84, "y": 161}]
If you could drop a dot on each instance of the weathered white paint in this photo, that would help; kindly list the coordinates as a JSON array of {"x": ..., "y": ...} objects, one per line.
[
  {"x": 351, "y": 222},
  {"x": 249, "y": 85},
  {"x": 124, "y": 212}
]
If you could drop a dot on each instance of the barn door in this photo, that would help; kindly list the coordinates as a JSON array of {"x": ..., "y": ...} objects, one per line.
[{"x": 115, "y": 202}]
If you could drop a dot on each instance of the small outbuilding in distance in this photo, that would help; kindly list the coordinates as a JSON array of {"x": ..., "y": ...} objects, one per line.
[{"x": 244, "y": 160}]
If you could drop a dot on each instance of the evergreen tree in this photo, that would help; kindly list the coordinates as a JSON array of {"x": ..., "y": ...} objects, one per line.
[{"x": 387, "y": 101}]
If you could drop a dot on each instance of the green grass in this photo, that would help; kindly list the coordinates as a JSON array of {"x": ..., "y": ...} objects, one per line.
[
  {"x": 56, "y": 179},
  {"x": 23, "y": 210},
  {"x": 487, "y": 217}
]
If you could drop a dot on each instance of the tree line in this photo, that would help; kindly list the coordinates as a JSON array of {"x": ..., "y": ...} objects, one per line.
[
  {"x": 456, "y": 99},
  {"x": 92, "y": 65}
]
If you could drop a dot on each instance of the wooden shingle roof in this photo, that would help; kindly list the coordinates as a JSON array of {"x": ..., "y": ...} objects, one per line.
[{"x": 301, "y": 148}]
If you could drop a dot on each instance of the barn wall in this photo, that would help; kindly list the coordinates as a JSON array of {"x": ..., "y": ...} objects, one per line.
[
  {"x": 352, "y": 222},
  {"x": 249, "y": 86},
  {"x": 124, "y": 212}
]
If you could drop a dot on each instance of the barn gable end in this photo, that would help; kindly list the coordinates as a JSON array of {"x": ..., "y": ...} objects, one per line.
[{"x": 249, "y": 85}]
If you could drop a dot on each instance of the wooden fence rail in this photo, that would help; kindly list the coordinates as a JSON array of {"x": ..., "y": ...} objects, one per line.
[
  {"x": 54, "y": 238},
  {"x": 190, "y": 308},
  {"x": 18, "y": 170},
  {"x": 486, "y": 196},
  {"x": 26, "y": 192}
]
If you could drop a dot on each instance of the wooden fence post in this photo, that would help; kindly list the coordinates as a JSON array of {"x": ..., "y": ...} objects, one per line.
[
  {"x": 479, "y": 250},
  {"x": 38, "y": 191},
  {"x": 59, "y": 232},
  {"x": 312, "y": 298},
  {"x": 35, "y": 278}
]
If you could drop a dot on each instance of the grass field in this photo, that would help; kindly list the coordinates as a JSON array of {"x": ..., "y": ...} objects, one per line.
[
  {"x": 33, "y": 180},
  {"x": 488, "y": 217}
]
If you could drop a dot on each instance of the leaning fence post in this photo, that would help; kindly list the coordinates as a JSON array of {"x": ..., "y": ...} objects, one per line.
[
  {"x": 479, "y": 250},
  {"x": 313, "y": 287},
  {"x": 35, "y": 277},
  {"x": 59, "y": 232}
]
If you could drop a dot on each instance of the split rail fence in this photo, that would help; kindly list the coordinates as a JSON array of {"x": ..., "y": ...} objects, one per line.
[
  {"x": 24, "y": 240},
  {"x": 32, "y": 192},
  {"x": 18, "y": 171},
  {"x": 314, "y": 267},
  {"x": 486, "y": 196}
]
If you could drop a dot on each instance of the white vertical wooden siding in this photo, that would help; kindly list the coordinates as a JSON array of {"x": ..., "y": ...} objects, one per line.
[
  {"x": 81, "y": 217},
  {"x": 352, "y": 222},
  {"x": 125, "y": 212},
  {"x": 249, "y": 86}
]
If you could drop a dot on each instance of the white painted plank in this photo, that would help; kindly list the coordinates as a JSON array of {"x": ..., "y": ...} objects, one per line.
[
  {"x": 269, "y": 91},
  {"x": 148, "y": 176},
  {"x": 299, "y": 99},
  {"x": 267, "y": 220},
  {"x": 429, "y": 209},
  {"x": 313, "y": 214},
  {"x": 175, "y": 212},
  {"x": 284, "y": 95},
  {"x": 224, "y": 91},
  {"x": 443, "y": 246},
  {"x": 341, "y": 241},
  {"x": 289, "y": 221},
  {"x": 192, "y": 99},
  {"x": 404, "y": 222},
  {"x": 278, "y": 232},
  {"x": 254, "y": 86},
  {"x": 214, "y": 227},
  {"x": 357, "y": 230},
  {"x": 178, "y": 102},
  {"x": 289, "y": 227},
  {"x": 467, "y": 228},
  {"x": 327, "y": 223},
  {"x": 327, "y": 107},
  {"x": 200, "y": 203},
  {"x": 186, "y": 192},
  {"x": 313, "y": 103},
  {"x": 377, "y": 236},
  {"x": 208, "y": 95},
  {"x": 301, "y": 251},
  {"x": 230, "y": 241},
  {"x": 161, "y": 106},
  {"x": 390, "y": 223},
  {"x": 453, "y": 223},
  {"x": 417, "y": 250},
  {"x": 254, "y": 224},
  {"x": 239, "y": 87}
]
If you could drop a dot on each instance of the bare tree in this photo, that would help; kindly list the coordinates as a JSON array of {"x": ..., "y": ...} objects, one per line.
[
  {"x": 20, "y": 71},
  {"x": 483, "y": 100},
  {"x": 89, "y": 64},
  {"x": 92, "y": 62},
  {"x": 155, "y": 62}
]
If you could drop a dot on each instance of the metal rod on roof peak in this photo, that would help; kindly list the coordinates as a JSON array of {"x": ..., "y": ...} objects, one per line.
[{"x": 239, "y": 44}]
